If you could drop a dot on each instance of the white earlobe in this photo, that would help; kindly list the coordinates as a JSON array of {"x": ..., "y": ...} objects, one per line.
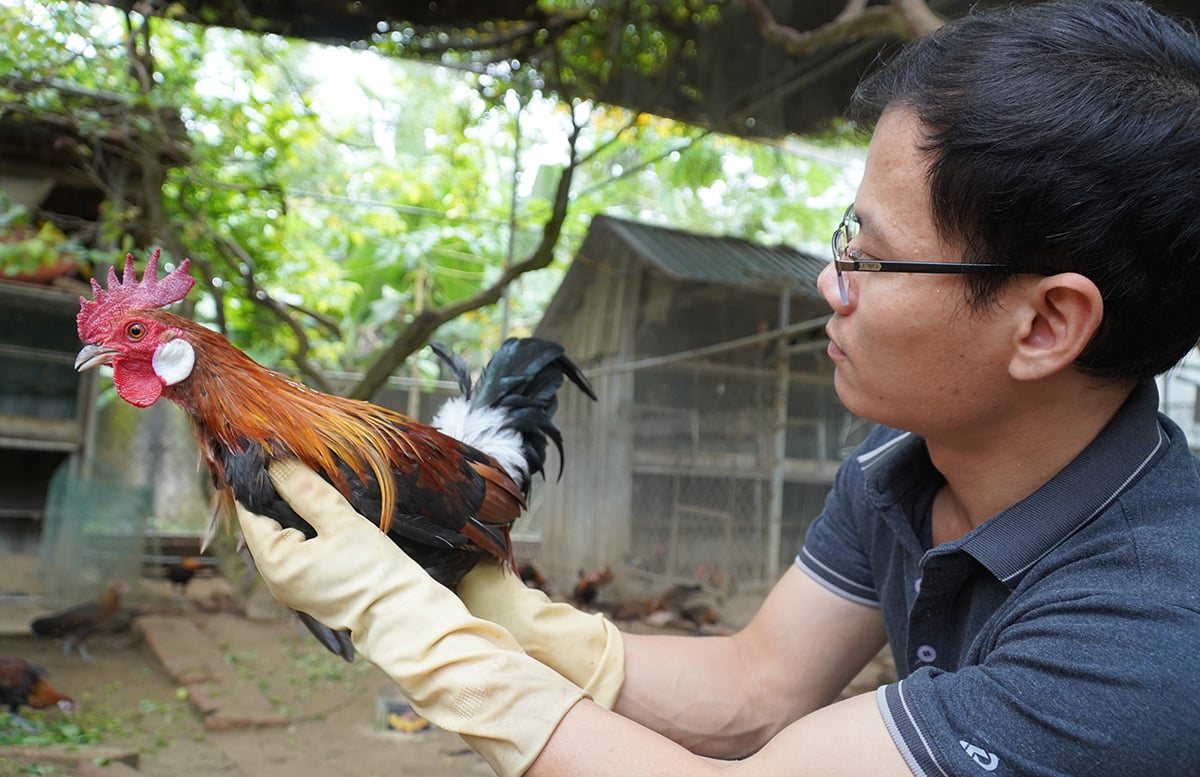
[{"x": 173, "y": 361}]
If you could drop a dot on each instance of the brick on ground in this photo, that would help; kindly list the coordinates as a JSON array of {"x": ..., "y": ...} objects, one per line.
[{"x": 191, "y": 651}]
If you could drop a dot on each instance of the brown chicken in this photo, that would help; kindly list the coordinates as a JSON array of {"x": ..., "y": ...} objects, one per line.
[
  {"x": 675, "y": 597},
  {"x": 76, "y": 623},
  {"x": 700, "y": 615},
  {"x": 447, "y": 494},
  {"x": 23, "y": 684}
]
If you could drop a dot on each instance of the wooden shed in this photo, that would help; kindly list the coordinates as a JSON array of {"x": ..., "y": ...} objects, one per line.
[
  {"x": 717, "y": 430},
  {"x": 61, "y": 172},
  {"x": 44, "y": 405}
]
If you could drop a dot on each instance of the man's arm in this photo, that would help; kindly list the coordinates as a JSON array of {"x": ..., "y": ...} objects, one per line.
[
  {"x": 763, "y": 691},
  {"x": 727, "y": 696},
  {"x": 847, "y": 739}
]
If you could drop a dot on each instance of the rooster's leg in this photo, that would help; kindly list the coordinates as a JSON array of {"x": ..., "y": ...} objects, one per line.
[
  {"x": 20, "y": 721},
  {"x": 77, "y": 642}
]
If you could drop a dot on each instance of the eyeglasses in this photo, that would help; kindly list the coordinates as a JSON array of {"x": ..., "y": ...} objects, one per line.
[{"x": 846, "y": 259}]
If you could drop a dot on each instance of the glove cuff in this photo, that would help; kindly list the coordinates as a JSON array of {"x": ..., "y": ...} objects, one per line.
[
  {"x": 604, "y": 686},
  {"x": 585, "y": 648},
  {"x": 472, "y": 679}
]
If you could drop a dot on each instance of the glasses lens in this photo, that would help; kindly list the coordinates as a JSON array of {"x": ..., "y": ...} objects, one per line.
[
  {"x": 850, "y": 224},
  {"x": 841, "y": 240},
  {"x": 844, "y": 233}
]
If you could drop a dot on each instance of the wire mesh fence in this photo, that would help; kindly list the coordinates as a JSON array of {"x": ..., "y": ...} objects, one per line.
[
  {"x": 140, "y": 480},
  {"x": 93, "y": 534},
  {"x": 733, "y": 453}
]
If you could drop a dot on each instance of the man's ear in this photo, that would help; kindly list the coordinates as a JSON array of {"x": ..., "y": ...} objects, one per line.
[{"x": 1057, "y": 318}]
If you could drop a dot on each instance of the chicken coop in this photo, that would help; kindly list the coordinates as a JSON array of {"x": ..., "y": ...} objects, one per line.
[
  {"x": 44, "y": 404},
  {"x": 717, "y": 431},
  {"x": 54, "y": 512}
]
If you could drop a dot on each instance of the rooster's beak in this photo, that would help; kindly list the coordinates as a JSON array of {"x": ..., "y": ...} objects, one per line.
[{"x": 94, "y": 356}]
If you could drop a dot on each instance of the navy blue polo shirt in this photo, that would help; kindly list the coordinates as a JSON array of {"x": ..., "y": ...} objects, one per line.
[{"x": 1060, "y": 637}]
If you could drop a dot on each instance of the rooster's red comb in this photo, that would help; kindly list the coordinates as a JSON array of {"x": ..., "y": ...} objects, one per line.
[{"x": 128, "y": 294}]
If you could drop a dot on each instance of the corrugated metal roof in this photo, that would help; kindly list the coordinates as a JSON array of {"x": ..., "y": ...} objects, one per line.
[{"x": 716, "y": 259}]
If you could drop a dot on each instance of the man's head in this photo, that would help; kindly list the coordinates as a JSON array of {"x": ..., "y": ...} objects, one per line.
[{"x": 1065, "y": 137}]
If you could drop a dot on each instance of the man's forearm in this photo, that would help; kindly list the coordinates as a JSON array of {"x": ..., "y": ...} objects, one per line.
[
  {"x": 848, "y": 739},
  {"x": 697, "y": 692},
  {"x": 726, "y": 696}
]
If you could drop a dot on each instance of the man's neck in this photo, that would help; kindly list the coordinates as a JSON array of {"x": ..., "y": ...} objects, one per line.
[{"x": 1004, "y": 461}]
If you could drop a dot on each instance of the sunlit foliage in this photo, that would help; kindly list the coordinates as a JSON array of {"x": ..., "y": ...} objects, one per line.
[{"x": 349, "y": 189}]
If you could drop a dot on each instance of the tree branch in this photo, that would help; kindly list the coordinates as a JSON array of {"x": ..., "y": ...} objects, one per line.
[
  {"x": 427, "y": 321},
  {"x": 245, "y": 267},
  {"x": 904, "y": 19}
]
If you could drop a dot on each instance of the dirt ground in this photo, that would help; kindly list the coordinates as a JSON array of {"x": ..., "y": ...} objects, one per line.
[{"x": 188, "y": 692}]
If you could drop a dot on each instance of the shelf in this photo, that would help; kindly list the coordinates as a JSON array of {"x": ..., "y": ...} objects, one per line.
[
  {"x": 42, "y": 434},
  {"x": 735, "y": 465},
  {"x": 25, "y": 513}
]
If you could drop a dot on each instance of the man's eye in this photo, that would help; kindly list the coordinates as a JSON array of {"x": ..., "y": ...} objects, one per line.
[{"x": 135, "y": 331}]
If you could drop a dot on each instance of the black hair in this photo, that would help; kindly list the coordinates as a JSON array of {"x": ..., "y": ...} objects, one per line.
[{"x": 1065, "y": 137}]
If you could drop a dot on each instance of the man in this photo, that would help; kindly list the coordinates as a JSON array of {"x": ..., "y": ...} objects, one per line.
[{"x": 1019, "y": 263}]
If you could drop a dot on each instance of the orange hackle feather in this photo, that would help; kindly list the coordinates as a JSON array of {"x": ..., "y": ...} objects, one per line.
[{"x": 233, "y": 400}]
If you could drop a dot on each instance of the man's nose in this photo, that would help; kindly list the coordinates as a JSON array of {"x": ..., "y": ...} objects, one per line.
[{"x": 827, "y": 286}]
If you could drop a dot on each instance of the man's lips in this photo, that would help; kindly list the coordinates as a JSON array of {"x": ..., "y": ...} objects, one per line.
[{"x": 834, "y": 350}]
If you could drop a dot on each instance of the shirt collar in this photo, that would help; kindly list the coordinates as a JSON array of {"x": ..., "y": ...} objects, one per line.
[{"x": 1014, "y": 540}]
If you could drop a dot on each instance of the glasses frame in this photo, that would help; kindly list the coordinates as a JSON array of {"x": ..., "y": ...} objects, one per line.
[{"x": 847, "y": 259}]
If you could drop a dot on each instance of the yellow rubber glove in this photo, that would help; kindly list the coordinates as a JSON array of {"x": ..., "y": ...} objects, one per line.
[
  {"x": 586, "y": 648},
  {"x": 462, "y": 673}
]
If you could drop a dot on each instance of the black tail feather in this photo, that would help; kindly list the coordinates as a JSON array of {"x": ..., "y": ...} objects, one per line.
[
  {"x": 529, "y": 369},
  {"x": 523, "y": 379},
  {"x": 457, "y": 367}
]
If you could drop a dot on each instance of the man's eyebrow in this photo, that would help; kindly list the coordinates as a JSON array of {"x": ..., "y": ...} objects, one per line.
[
  {"x": 876, "y": 231},
  {"x": 864, "y": 219}
]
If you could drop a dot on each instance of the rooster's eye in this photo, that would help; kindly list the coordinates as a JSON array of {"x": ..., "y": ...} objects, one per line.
[{"x": 135, "y": 330}]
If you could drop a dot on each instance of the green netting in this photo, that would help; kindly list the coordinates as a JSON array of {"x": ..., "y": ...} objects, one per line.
[{"x": 92, "y": 535}]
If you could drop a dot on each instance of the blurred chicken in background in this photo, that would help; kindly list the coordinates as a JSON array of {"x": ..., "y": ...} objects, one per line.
[
  {"x": 181, "y": 573},
  {"x": 78, "y": 622},
  {"x": 23, "y": 684},
  {"x": 532, "y": 576},
  {"x": 586, "y": 592}
]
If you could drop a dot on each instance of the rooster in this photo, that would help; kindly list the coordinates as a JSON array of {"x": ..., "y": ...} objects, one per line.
[
  {"x": 447, "y": 496},
  {"x": 181, "y": 573},
  {"x": 79, "y": 621},
  {"x": 23, "y": 684},
  {"x": 587, "y": 587}
]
